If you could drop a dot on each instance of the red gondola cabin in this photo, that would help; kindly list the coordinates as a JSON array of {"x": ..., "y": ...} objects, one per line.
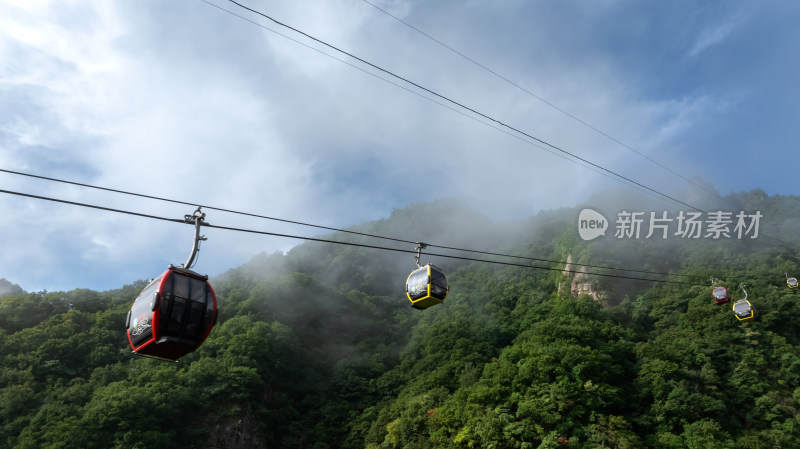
[
  {"x": 720, "y": 294},
  {"x": 173, "y": 315}
]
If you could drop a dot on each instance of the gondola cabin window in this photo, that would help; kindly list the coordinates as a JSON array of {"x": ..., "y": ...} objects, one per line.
[{"x": 140, "y": 323}]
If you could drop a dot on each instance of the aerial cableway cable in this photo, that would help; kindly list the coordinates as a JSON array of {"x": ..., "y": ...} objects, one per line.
[
  {"x": 543, "y": 100},
  {"x": 353, "y": 244},
  {"x": 504, "y": 128},
  {"x": 329, "y": 228},
  {"x": 363, "y": 234},
  {"x": 619, "y": 177},
  {"x": 565, "y": 112}
]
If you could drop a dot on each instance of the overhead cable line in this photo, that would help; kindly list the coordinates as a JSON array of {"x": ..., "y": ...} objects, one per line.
[
  {"x": 75, "y": 203},
  {"x": 463, "y": 106},
  {"x": 187, "y": 203},
  {"x": 563, "y": 111},
  {"x": 444, "y": 105},
  {"x": 543, "y": 100},
  {"x": 363, "y": 234},
  {"x": 316, "y": 239},
  {"x": 576, "y": 159}
]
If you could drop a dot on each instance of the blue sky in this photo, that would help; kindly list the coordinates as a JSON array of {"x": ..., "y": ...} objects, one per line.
[{"x": 183, "y": 100}]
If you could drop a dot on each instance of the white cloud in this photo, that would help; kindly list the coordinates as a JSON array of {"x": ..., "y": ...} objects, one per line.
[
  {"x": 715, "y": 35},
  {"x": 183, "y": 101}
]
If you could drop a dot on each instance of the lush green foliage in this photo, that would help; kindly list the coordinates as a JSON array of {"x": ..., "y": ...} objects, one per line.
[{"x": 319, "y": 349}]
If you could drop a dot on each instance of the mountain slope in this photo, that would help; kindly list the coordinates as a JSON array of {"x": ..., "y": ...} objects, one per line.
[{"x": 319, "y": 348}]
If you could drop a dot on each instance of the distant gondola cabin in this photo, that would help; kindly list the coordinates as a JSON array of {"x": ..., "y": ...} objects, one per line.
[
  {"x": 743, "y": 310},
  {"x": 720, "y": 294},
  {"x": 173, "y": 315},
  {"x": 426, "y": 286},
  {"x": 791, "y": 282}
]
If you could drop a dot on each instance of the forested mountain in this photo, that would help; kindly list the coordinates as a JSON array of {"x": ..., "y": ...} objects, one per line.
[{"x": 318, "y": 348}]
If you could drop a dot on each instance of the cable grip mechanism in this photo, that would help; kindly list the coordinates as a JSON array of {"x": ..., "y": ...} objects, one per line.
[
  {"x": 197, "y": 219},
  {"x": 742, "y": 286},
  {"x": 420, "y": 247}
]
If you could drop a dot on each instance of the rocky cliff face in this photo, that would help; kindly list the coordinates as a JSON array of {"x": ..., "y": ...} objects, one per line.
[
  {"x": 581, "y": 284},
  {"x": 237, "y": 433}
]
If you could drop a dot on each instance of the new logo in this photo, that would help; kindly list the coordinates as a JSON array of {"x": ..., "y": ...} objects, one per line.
[{"x": 591, "y": 224}]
